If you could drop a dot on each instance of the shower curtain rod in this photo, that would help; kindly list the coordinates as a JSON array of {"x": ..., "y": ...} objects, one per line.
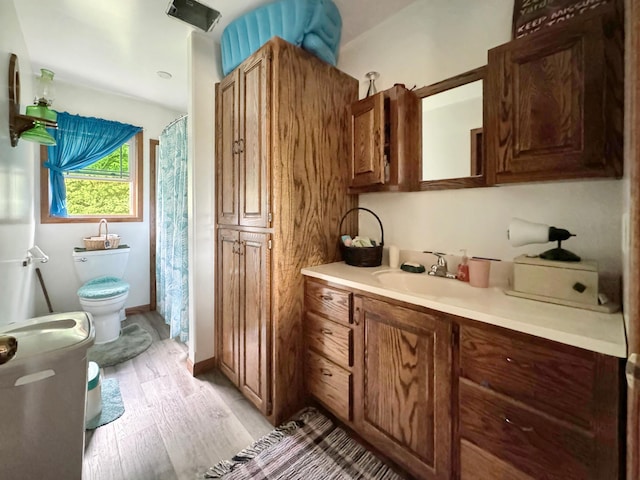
[{"x": 175, "y": 121}]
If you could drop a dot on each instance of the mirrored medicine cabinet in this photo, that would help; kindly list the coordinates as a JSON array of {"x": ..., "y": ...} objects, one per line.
[{"x": 452, "y": 143}]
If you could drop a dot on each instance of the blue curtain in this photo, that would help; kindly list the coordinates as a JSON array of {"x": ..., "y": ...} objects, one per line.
[
  {"x": 172, "y": 287},
  {"x": 80, "y": 141}
]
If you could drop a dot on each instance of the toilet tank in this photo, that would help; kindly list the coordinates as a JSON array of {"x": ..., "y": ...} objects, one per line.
[{"x": 91, "y": 264}]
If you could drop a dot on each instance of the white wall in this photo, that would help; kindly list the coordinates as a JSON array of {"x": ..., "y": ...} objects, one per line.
[
  {"x": 203, "y": 73},
  {"x": 58, "y": 240},
  {"x": 17, "y": 199},
  {"x": 432, "y": 40}
]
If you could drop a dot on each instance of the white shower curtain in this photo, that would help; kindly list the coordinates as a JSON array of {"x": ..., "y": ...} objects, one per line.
[{"x": 172, "y": 287}]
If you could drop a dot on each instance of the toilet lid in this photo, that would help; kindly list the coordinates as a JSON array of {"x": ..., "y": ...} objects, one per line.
[{"x": 103, "y": 287}]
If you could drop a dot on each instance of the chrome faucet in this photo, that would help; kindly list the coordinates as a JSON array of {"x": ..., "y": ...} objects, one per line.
[{"x": 440, "y": 269}]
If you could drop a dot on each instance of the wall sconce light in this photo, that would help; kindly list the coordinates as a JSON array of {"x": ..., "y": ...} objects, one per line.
[{"x": 32, "y": 126}]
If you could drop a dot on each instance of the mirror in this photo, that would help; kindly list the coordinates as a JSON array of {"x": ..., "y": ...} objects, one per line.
[{"x": 452, "y": 141}]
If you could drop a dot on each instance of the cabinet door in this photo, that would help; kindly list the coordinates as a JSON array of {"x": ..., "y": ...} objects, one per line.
[
  {"x": 547, "y": 99},
  {"x": 367, "y": 141},
  {"x": 254, "y": 142},
  {"x": 255, "y": 318},
  {"x": 403, "y": 391},
  {"x": 227, "y": 167},
  {"x": 228, "y": 285}
]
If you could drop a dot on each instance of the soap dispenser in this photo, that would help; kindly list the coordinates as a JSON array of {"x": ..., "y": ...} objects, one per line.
[{"x": 463, "y": 268}]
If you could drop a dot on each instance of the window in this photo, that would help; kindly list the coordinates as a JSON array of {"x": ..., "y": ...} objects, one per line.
[{"x": 110, "y": 188}]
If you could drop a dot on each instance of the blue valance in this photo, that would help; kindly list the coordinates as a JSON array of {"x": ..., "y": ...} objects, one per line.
[{"x": 80, "y": 142}]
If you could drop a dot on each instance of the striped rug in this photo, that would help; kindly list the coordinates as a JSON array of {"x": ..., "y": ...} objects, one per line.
[{"x": 308, "y": 448}]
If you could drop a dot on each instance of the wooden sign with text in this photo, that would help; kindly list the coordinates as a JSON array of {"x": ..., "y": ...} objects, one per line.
[{"x": 532, "y": 15}]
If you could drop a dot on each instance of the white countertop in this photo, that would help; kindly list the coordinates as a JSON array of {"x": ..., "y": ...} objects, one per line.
[{"x": 598, "y": 332}]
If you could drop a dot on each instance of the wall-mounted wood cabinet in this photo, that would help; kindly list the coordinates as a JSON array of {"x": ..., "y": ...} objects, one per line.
[
  {"x": 385, "y": 142},
  {"x": 555, "y": 103},
  {"x": 281, "y": 189}
]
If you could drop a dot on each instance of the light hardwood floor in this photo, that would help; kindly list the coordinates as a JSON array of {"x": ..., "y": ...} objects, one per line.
[{"x": 175, "y": 426}]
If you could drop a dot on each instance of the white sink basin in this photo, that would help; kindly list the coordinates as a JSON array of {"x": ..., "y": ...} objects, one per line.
[{"x": 422, "y": 284}]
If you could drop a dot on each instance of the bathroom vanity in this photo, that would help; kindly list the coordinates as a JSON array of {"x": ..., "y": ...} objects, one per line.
[{"x": 452, "y": 381}]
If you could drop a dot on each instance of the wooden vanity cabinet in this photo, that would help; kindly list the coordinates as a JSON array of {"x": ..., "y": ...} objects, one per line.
[
  {"x": 402, "y": 392},
  {"x": 328, "y": 335},
  {"x": 445, "y": 397},
  {"x": 555, "y": 103},
  {"x": 385, "y": 142},
  {"x": 535, "y": 409},
  {"x": 281, "y": 189},
  {"x": 385, "y": 370}
]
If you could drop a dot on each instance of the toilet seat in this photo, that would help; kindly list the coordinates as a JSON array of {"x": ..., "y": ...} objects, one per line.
[{"x": 102, "y": 288}]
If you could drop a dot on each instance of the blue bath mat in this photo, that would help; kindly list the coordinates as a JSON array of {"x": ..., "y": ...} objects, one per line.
[
  {"x": 133, "y": 340},
  {"x": 112, "y": 406}
]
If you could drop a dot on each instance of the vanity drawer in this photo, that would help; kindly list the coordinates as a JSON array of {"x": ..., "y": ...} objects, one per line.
[
  {"x": 477, "y": 464},
  {"x": 533, "y": 443},
  {"x": 331, "y": 339},
  {"x": 554, "y": 378},
  {"x": 329, "y": 383},
  {"x": 330, "y": 302}
]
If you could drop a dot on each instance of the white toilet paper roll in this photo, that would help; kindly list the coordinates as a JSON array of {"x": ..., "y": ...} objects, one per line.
[{"x": 394, "y": 257}]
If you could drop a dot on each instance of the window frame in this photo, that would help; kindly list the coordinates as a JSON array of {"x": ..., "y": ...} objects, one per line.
[{"x": 136, "y": 195}]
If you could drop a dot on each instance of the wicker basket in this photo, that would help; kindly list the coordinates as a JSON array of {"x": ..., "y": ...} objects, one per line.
[
  {"x": 102, "y": 242},
  {"x": 362, "y": 256}
]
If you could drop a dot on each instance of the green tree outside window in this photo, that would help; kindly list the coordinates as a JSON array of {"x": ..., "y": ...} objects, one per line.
[{"x": 103, "y": 188}]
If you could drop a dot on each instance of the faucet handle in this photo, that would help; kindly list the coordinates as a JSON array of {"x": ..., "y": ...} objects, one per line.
[{"x": 441, "y": 260}]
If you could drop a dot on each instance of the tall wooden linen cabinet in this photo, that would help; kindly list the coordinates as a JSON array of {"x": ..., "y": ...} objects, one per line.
[{"x": 282, "y": 173}]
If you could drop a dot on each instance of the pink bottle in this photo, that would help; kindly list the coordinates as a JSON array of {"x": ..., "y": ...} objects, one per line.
[{"x": 463, "y": 268}]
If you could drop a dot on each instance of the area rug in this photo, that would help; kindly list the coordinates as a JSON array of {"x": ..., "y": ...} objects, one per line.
[
  {"x": 133, "y": 340},
  {"x": 112, "y": 406},
  {"x": 308, "y": 448}
]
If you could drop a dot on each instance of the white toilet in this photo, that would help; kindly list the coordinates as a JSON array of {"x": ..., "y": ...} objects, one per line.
[{"x": 103, "y": 292}]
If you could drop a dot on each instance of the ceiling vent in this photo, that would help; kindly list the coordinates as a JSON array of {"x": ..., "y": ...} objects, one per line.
[{"x": 194, "y": 13}]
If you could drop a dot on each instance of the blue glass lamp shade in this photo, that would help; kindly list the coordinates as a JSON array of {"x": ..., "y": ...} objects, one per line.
[{"x": 39, "y": 133}]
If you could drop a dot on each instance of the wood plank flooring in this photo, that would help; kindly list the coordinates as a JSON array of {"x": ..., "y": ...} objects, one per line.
[{"x": 174, "y": 426}]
